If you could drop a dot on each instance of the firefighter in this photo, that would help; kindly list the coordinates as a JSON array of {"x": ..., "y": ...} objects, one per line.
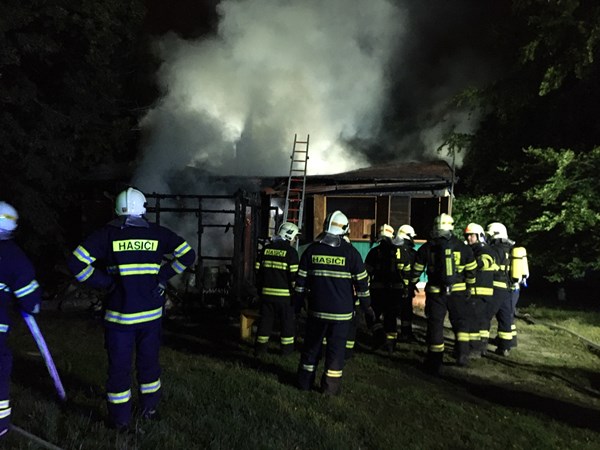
[
  {"x": 483, "y": 292},
  {"x": 17, "y": 281},
  {"x": 450, "y": 267},
  {"x": 277, "y": 266},
  {"x": 330, "y": 268},
  {"x": 388, "y": 268},
  {"x": 405, "y": 239},
  {"x": 124, "y": 257},
  {"x": 503, "y": 309}
]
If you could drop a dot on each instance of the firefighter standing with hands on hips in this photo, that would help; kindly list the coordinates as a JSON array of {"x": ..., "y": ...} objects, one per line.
[
  {"x": 17, "y": 281},
  {"x": 277, "y": 266},
  {"x": 450, "y": 266},
  {"x": 124, "y": 257},
  {"x": 330, "y": 271}
]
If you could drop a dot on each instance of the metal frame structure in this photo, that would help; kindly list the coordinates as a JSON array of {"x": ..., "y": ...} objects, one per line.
[{"x": 245, "y": 215}]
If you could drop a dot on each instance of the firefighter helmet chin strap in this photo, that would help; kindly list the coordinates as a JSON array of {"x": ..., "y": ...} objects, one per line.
[{"x": 333, "y": 240}]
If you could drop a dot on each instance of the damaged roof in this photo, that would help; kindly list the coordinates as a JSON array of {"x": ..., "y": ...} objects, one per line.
[{"x": 406, "y": 178}]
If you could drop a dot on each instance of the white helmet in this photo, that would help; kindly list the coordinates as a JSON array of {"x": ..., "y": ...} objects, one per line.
[
  {"x": 130, "y": 202},
  {"x": 443, "y": 222},
  {"x": 8, "y": 217},
  {"x": 497, "y": 231},
  {"x": 336, "y": 223},
  {"x": 406, "y": 232},
  {"x": 288, "y": 231},
  {"x": 475, "y": 228},
  {"x": 386, "y": 231}
]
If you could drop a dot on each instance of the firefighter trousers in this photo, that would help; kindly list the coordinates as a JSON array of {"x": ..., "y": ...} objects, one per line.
[
  {"x": 460, "y": 310},
  {"x": 281, "y": 310},
  {"x": 336, "y": 334},
  {"x": 504, "y": 316},
  {"x": 5, "y": 371},
  {"x": 121, "y": 344}
]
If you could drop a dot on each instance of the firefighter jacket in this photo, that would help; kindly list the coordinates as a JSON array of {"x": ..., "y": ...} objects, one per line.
[
  {"x": 486, "y": 267},
  {"x": 328, "y": 276},
  {"x": 388, "y": 266},
  {"x": 502, "y": 249},
  {"x": 127, "y": 260},
  {"x": 17, "y": 280},
  {"x": 276, "y": 269},
  {"x": 457, "y": 274}
]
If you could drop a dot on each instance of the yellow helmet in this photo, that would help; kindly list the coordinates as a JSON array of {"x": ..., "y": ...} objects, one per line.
[
  {"x": 443, "y": 222},
  {"x": 386, "y": 231}
]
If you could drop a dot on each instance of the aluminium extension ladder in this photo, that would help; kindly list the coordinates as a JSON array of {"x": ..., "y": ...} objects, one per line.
[{"x": 294, "y": 200}]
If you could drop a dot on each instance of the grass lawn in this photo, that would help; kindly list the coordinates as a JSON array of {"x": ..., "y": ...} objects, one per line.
[{"x": 216, "y": 395}]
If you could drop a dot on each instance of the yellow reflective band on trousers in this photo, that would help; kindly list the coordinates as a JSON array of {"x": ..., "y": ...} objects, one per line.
[
  {"x": 507, "y": 336},
  {"x": 150, "y": 388},
  {"x": 330, "y": 316},
  {"x": 119, "y": 397},
  {"x": 4, "y": 413},
  {"x": 4, "y": 404},
  {"x": 513, "y": 327},
  {"x": 308, "y": 367},
  {"x": 131, "y": 319},
  {"x": 391, "y": 336},
  {"x": 485, "y": 334},
  {"x": 262, "y": 339},
  {"x": 333, "y": 373},
  {"x": 436, "y": 348},
  {"x": 349, "y": 344},
  {"x": 474, "y": 337},
  {"x": 483, "y": 291},
  {"x": 135, "y": 245},
  {"x": 287, "y": 340},
  {"x": 276, "y": 292},
  {"x": 462, "y": 337},
  {"x": 500, "y": 284}
]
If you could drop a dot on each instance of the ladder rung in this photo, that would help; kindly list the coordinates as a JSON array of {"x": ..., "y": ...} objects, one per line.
[
  {"x": 293, "y": 209},
  {"x": 300, "y": 142}
]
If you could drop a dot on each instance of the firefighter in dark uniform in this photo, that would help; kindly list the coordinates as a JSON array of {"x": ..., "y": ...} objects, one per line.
[
  {"x": 389, "y": 269},
  {"x": 450, "y": 268},
  {"x": 483, "y": 292},
  {"x": 124, "y": 257},
  {"x": 330, "y": 268},
  {"x": 17, "y": 281},
  {"x": 405, "y": 239},
  {"x": 277, "y": 266},
  {"x": 502, "y": 305}
]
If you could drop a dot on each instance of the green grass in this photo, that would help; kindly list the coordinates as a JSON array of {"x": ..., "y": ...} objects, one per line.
[{"x": 217, "y": 396}]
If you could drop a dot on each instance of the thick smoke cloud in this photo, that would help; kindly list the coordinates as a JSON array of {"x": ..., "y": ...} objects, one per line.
[
  {"x": 233, "y": 102},
  {"x": 370, "y": 81}
]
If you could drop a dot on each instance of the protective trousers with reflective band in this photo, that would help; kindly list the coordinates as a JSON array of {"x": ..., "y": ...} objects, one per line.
[
  {"x": 5, "y": 371},
  {"x": 336, "y": 333},
  {"x": 460, "y": 313},
  {"x": 388, "y": 303},
  {"x": 121, "y": 344},
  {"x": 504, "y": 316},
  {"x": 271, "y": 311}
]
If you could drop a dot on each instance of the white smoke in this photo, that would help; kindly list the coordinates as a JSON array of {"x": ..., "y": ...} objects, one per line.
[{"x": 232, "y": 103}]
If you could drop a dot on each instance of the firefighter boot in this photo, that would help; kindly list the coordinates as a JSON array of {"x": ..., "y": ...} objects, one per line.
[
  {"x": 406, "y": 334},
  {"x": 462, "y": 353},
  {"x": 331, "y": 385},
  {"x": 433, "y": 362},
  {"x": 305, "y": 378},
  {"x": 260, "y": 349}
]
